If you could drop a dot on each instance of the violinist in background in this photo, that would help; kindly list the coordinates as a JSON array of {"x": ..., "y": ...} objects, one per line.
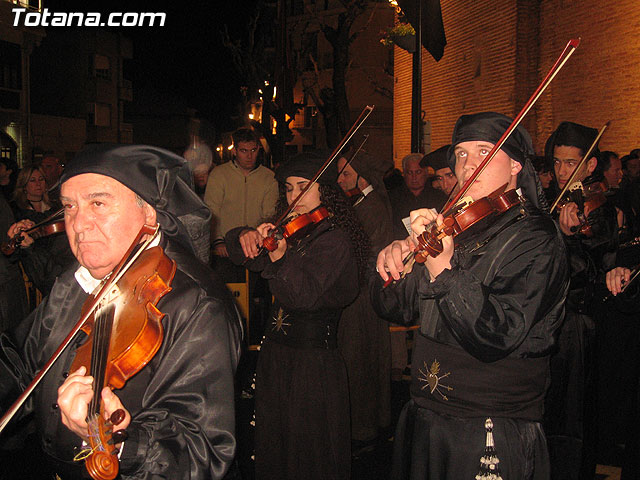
[
  {"x": 571, "y": 411},
  {"x": 48, "y": 256},
  {"x": 178, "y": 410},
  {"x": 301, "y": 390},
  {"x": 363, "y": 337},
  {"x": 544, "y": 169},
  {"x": 443, "y": 178},
  {"x": 488, "y": 306}
]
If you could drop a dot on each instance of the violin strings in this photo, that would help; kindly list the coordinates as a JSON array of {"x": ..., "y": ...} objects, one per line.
[{"x": 102, "y": 339}]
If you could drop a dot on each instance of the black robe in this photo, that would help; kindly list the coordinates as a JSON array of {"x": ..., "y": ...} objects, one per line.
[
  {"x": 363, "y": 337},
  {"x": 301, "y": 396},
  {"x": 487, "y": 328},
  {"x": 181, "y": 403},
  {"x": 571, "y": 410}
]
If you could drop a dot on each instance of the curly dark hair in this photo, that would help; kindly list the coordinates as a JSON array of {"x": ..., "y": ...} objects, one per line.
[{"x": 343, "y": 216}]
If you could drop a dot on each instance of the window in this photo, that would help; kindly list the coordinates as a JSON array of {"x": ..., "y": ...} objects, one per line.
[
  {"x": 99, "y": 114},
  {"x": 101, "y": 67},
  {"x": 10, "y": 66}
]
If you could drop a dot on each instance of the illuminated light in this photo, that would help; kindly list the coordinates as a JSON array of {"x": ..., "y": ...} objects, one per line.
[
  {"x": 230, "y": 147},
  {"x": 266, "y": 83},
  {"x": 287, "y": 117},
  {"x": 251, "y": 116},
  {"x": 274, "y": 92},
  {"x": 218, "y": 149},
  {"x": 260, "y": 91}
]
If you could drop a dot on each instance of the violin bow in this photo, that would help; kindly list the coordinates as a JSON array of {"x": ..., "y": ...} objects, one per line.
[
  {"x": 334, "y": 155},
  {"x": 364, "y": 140},
  {"x": 581, "y": 164},
  {"x": 120, "y": 269},
  {"x": 562, "y": 59},
  {"x": 50, "y": 218},
  {"x": 452, "y": 201}
]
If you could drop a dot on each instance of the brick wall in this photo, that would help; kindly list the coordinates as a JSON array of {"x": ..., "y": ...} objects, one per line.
[{"x": 499, "y": 50}]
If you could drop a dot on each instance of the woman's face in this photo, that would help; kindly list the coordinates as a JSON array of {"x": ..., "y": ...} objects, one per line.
[
  {"x": 311, "y": 199},
  {"x": 36, "y": 185}
]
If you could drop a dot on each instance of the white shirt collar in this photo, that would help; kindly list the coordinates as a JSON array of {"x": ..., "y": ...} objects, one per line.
[
  {"x": 364, "y": 192},
  {"x": 88, "y": 283}
]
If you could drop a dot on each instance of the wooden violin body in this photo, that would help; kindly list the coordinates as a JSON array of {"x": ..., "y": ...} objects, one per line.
[
  {"x": 124, "y": 333},
  {"x": 36, "y": 232},
  {"x": 588, "y": 197},
  {"x": 463, "y": 218},
  {"x": 297, "y": 227}
]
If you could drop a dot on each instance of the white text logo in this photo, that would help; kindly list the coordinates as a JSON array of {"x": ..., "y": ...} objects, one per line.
[{"x": 88, "y": 19}]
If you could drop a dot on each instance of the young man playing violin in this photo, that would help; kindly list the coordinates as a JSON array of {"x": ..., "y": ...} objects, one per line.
[
  {"x": 588, "y": 225},
  {"x": 174, "y": 418},
  {"x": 488, "y": 307}
]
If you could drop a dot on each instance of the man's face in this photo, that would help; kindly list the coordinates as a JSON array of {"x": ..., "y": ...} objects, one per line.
[
  {"x": 51, "y": 169},
  {"x": 501, "y": 170},
  {"x": 348, "y": 176},
  {"x": 444, "y": 180},
  {"x": 633, "y": 167},
  {"x": 102, "y": 218},
  {"x": 565, "y": 161},
  {"x": 247, "y": 155},
  {"x": 415, "y": 176},
  {"x": 614, "y": 173}
]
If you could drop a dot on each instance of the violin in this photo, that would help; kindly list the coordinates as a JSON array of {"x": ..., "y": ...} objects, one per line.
[
  {"x": 588, "y": 197},
  {"x": 124, "y": 333},
  {"x": 354, "y": 195},
  {"x": 39, "y": 230},
  {"x": 270, "y": 242},
  {"x": 297, "y": 227},
  {"x": 458, "y": 219},
  {"x": 463, "y": 218}
]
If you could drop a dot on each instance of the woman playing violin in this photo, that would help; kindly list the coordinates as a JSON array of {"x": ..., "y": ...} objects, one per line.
[
  {"x": 301, "y": 398},
  {"x": 49, "y": 256},
  {"x": 488, "y": 307}
]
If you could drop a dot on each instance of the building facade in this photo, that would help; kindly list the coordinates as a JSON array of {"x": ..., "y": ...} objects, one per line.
[{"x": 498, "y": 52}]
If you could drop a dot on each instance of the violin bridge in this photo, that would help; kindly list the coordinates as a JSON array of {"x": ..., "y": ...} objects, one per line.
[{"x": 464, "y": 202}]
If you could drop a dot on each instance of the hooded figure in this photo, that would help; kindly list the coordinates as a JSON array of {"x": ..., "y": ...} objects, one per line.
[
  {"x": 489, "y": 127},
  {"x": 174, "y": 426},
  {"x": 489, "y": 306},
  {"x": 161, "y": 178}
]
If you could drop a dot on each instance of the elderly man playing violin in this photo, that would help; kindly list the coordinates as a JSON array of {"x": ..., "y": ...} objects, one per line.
[
  {"x": 488, "y": 306},
  {"x": 174, "y": 415}
]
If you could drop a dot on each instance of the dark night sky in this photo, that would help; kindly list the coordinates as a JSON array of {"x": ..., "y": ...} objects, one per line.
[{"x": 186, "y": 56}]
